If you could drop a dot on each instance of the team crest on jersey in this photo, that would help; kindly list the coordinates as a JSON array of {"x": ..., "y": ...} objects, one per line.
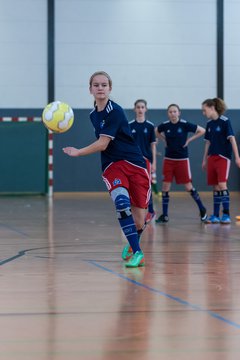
[
  {"x": 179, "y": 130},
  {"x": 102, "y": 123},
  {"x": 116, "y": 182},
  {"x": 218, "y": 129},
  {"x": 133, "y": 131},
  {"x": 145, "y": 130}
]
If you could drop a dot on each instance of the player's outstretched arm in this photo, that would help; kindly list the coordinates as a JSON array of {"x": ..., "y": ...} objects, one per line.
[{"x": 99, "y": 145}]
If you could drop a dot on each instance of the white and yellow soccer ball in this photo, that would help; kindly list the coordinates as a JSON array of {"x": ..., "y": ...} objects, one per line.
[{"x": 58, "y": 117}]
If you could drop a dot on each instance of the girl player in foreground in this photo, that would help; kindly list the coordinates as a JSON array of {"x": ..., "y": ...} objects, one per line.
[
  {"x": 220, "y": 142},
  {"x": 123, "y": 165}
]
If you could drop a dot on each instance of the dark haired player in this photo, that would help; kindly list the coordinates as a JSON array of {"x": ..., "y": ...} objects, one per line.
[{"x": 144, "y": 134}]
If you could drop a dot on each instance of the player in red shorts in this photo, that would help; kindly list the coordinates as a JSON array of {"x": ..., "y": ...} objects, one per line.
[
  {"x": 123, "y": 165},
  {"x": 174, "y": 133},
  {"x": 220, "y": 143},
  {"x": 143, "y": 132}
]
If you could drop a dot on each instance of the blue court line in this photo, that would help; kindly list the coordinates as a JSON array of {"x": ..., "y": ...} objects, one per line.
[
  {"x": 19, "y": 254},
  {"x": 171, "y": 297},
  {"x": 14, "y": 230},
  {"x": 23, "y": 252}
]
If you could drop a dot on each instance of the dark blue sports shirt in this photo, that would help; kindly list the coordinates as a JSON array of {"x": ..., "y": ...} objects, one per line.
[
  {"x": 218, "y": 133},
  {"x": 176, "y": 136},
  {"x": 113, "y": 123},
  {"x": 144, "y": 136}
]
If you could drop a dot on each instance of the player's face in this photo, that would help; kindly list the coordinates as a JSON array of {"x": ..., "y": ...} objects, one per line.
[
  {"x": 100, "y": 87},
  {"x": 208, "y": 111},
  {"x": 140, "y": 109},
  {"x": 173, "y": 114}
]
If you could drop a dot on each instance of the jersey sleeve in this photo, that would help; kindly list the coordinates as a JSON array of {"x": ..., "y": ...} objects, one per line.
[
  {"x": 229, "y": 130},
  {"x": 160, "y": 128},
  {"x": 111, "y": 124},
  {"x": 206, "y": 136},
  {"x": 191, "y": 127},
  {"x": 152, "y": 137}
]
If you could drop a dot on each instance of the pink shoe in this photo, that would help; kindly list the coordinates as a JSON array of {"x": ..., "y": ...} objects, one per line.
[{"x": 149, "y": 217}]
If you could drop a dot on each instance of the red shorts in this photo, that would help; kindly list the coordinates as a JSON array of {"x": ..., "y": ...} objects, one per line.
[
  {"x": 178, "y": 169},
  {"x": 217, "y": 169},
  {"x": 132, "y": 177}
]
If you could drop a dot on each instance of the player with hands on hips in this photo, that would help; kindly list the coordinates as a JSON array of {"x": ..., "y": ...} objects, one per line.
[
  {"x": 123, "y": 165},
  {"x": 220, "y": 143},
  {"x": 174, "y": 133}
]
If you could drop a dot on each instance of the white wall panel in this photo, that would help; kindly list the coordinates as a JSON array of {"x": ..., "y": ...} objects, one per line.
[
  {"x": 135, "y": 10},
  {"x": 232, "y": 54},
  {"x": 185, "y": 33},
  {"x": 162, "y": 87},
  {"x": 151, "y": 48},
  {"x": 23, "y": 55},
  {"x": 157, "y": 49},
  {"x": 139, "y": 54}
]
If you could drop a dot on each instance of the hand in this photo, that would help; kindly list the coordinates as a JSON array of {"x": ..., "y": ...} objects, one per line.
[
  {"x": 71, "y": 151},
  {"x": 186, "y": 143},
  {"x": 153, "y": 168}
]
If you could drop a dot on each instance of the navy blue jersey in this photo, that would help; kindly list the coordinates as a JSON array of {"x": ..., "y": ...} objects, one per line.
[
  {"x": 218, "y": 133},
  {"x": 176, "y": 137},
  {"x": 144, "y": 136},
  {"x": 113, "y": 123}
]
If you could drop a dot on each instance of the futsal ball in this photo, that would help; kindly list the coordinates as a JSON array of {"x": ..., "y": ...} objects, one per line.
[{"x": 58, "y": 117}]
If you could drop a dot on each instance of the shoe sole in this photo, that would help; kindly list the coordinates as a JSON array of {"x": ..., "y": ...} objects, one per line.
[
  {"x": 140, "y": 265},
  {"x": 212, "y": 222}
]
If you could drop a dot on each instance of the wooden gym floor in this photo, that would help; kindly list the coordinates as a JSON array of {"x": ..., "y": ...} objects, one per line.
[{"x": 65, "y": 294}]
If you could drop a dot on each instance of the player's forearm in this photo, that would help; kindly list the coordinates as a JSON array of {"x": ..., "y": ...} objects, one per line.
[
  {"x": 234, "y": 147},
  {"x": 154, "y": 154},
  {"x": 95, "y": 147},
  {"x": 206, "y": 151},
  {"x": 200, "y": 132}
]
